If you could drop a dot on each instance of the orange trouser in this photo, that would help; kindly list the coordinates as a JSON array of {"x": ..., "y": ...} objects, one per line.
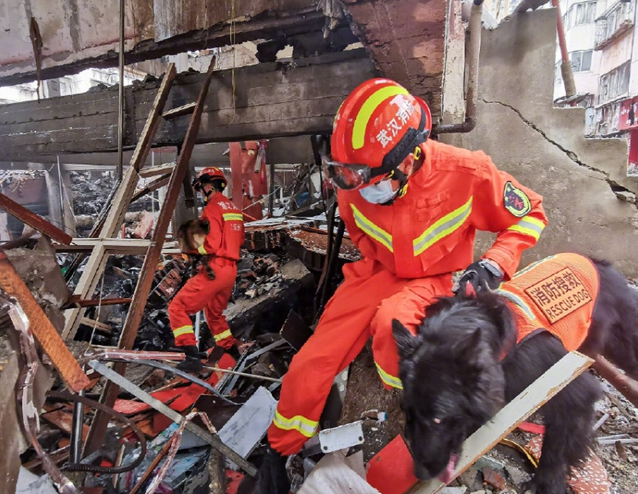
[
  {"x": 363, "y": 306},
  {"x": 200, "y": 292}
]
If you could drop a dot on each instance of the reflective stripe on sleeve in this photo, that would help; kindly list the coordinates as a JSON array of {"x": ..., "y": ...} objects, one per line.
[
  {"x": 233, "y": 217},
  {"x": 380, "y": 235},
  {"x": 395, "y": 382},
  {"x": 201, "y": 250},
  {"x": 529, "y": 226},
  {"x": 183, "y": 330},
  {"x": 298, "y": 423},
  {"x": 442, "y": 228},
  {"x": 223, "y": 335}
]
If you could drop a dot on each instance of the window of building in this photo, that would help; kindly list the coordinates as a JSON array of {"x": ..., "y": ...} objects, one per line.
[
  {"x": 579, "y": 13},
  {"x": 614, "y": 83},
  {"x": 581, "y": 60}
]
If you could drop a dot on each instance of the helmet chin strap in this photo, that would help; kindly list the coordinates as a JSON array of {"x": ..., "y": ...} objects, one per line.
[
  {"x": 403, "y": 186},
  {"x": 402, "y": 178},
  {"x": 207, "y": 194}
]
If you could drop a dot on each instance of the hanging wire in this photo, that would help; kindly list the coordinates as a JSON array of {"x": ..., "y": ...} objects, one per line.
[{"x": 97, "y": 316}]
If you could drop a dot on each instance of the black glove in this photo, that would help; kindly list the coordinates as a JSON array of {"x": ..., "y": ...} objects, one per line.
[{"x": 481, "y": 274}]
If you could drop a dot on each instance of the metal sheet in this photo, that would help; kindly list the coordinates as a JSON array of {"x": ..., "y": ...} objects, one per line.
[
  {"x": 249, "y": 425},
  {"x": 342, "y": 437}
]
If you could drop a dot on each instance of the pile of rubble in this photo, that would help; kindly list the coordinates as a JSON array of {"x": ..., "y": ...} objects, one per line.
[{"x": 172, "y": 432}]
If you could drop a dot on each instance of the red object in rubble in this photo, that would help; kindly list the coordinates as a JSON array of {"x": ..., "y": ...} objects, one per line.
[{"x": 391, "y": 470}]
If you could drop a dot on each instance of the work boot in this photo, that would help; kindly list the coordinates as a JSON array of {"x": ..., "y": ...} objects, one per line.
[
  {"x": 192, "y": 362},
  {"x": 272, "y": 477}
]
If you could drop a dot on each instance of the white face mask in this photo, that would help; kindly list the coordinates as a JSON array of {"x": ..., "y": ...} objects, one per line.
[{"x": 378, "y": 193}]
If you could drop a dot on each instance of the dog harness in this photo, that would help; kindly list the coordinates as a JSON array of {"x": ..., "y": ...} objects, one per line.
[{"x": 557, "y": 294}]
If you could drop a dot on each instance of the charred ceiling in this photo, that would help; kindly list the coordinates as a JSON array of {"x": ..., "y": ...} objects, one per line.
[
  {"x": 268, "y": 100},
  {"x": 405, "y": 40}
]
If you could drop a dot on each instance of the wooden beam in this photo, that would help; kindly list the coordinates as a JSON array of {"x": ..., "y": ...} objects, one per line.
[
  {"x": 133, "y": 246},
  {"x": 33, "y": 220},
  {"x": 179, "y": 111},
  {"x": 75, "y": 301},
  {"x": 154, "y": 185},
  {"x": 147, "y": 272},
  {"x": 96, "y": 324},
  {"x": 531, "y": 399},
  {"x": 268, "y": 100},
  {"x": 152, "y": 171},
  {"x": 41, "y": 327}
]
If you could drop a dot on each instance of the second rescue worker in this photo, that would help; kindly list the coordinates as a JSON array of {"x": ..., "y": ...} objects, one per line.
[
  {"x": 412, "y": 206},
  {"x": 222, "y": 246}
]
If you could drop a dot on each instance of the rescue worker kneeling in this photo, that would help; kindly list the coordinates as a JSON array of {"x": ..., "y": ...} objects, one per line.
[
  {"x": 210, "y": 289},
  {"x": 412, "y": 206}
]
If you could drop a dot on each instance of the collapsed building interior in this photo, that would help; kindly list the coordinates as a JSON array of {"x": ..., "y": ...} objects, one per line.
[{"x": 94, "y": 185}]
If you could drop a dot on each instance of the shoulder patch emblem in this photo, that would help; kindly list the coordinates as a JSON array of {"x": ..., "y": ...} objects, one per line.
[{"x": 516, "y": 201}]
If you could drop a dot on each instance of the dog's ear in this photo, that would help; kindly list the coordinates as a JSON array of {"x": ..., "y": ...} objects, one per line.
[
  {"x": 405, "y": 341},
  {"x": 466, "y": 348}
]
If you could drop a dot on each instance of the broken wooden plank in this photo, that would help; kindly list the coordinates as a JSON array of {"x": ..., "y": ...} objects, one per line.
[
  {"x": 267, "y": 102},
  {"x": 154, "y": 185},
  {"x": 147, "y": 272},
  {"x": 163, "y": 169},
  {"x": 531, "y": 399},
  {"x": 96, "y": 324},
  {"x": 133, "y": 246},
  {"x": 42, "y": 328},
  {"x": 75, "y": 301},
  {"x": 179, "y": 111},
  {"x": 33, "y": 220}
]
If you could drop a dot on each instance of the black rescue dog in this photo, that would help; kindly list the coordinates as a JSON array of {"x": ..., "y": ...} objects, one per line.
[{"x": 467, "y": 361}]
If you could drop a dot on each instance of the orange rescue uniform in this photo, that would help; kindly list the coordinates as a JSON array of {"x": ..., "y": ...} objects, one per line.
[
  {"x": 410, "y": 250},
  {"x": 222, "y": 244},
  {"x": 558, "y": 294}
]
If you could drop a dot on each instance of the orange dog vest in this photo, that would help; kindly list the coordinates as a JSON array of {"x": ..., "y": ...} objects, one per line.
[{"x": 558, "y": 294}]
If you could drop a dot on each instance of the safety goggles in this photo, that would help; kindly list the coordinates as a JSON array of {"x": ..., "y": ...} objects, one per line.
[
  {"x": 348, "y": 176},
  {"x": 196, "y": 184}
]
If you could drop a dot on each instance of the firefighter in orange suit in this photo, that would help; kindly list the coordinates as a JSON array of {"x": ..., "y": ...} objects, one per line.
[
  {"x": 412, "y": 206},
  {"x": 222, "y": 245}
]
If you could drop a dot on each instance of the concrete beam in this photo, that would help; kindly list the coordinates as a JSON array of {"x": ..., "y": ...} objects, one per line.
[{"x": 266, "y": 100}]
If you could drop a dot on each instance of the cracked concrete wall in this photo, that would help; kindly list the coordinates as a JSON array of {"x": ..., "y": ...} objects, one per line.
[{"x": 545, "y": 148}]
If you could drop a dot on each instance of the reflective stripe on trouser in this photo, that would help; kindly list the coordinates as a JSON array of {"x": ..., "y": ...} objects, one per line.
[
  {"x": 200, "y": 292},
  {"x": 340, "y": 335},
  {"x": 224, "y": 339},
  {"x": 185, "y": 336}
]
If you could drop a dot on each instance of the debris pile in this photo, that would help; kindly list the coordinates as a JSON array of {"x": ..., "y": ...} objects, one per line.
[{"x": 169, "y": 431}]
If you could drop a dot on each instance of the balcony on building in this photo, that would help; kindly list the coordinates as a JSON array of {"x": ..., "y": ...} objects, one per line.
[{"x": 616, "y": 20}]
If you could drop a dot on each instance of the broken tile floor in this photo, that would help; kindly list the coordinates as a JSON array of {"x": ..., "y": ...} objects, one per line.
[{"x": 273, "y": 298}]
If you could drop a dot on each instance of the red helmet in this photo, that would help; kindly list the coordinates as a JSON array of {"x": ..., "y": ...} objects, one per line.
[
  {"x": 378, "y": 125},
  {"x": 208, "y": 175}
]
